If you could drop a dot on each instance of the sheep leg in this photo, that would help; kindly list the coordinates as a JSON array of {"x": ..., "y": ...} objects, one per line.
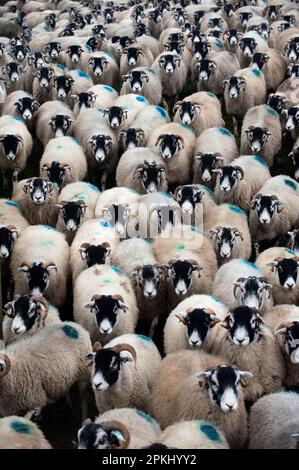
[{"x": 34, "y": 415}]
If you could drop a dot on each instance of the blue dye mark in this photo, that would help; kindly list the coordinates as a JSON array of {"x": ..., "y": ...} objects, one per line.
[
  {"x": 210, "y": 431},
  {"x": 291, "y": 184},
  {"x": 252, "y": 265},
  {"x": 291, "y": 252},
  {"x": 108, "y": 88},
  {"x": 195, "y": 229},
  {"x": 132, "y": 191},
  {"x": 93, "y": 188},
  {"x": 12, "y": 203},
  {"x": 212, "y": 95},
  {"x": 256, "y": 71},
  {"x": 219, "y": 43},
  {"x": 187, "y": 127},
  {"x": 82, "y": 74},
  {"x": 272, "y": 111},
  {"x": 145, "y": 338},
  {"x": 88, "y": 48},
  {"x": 20, "y": 427},
  {"x": 46, "y": 28},
  {"x": 260, "y": 160},
  {"x": 162, "y": 111},
  {"x": 17, "y": 118},
  {"x": 46, "y": 242},
  {"x": 236, "y": 209},
  {"x": 75, "y": 140},
  {"x": 209, "y": 190},
  {"x": 48, "y": 227},
  {"x": 168, "y": 195},
  {"x": 104, "y": 223},
  {"x": 216, "y": 300},
  {"x": 141, "y": 99},
  {"x": 117, "y": 270},
  {"x": 70, "y": 332},
  {"x": 224, "y": 131},
  {"x": 148, "y": 418},
  {"x": 180, "y": 247},
  {"x": 60, "y": 66}
]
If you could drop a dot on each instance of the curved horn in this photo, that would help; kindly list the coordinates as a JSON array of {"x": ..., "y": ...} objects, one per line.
[
  {"x": 118, "y": 298},
  {"x": 114, "y": 425},
  {"x": 43, "y": 301},
  {"x": 7, "y": 366},
  {"x": 239, "y": 169},
  {"x": 118, "y": 348}
]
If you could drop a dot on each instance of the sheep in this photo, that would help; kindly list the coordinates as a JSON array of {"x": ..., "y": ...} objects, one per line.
[
  {"x": 136, "y": 258},
  {"x": 284, "y": 321},
  {"x": 119, "y": 206},
  {"x": 190, "y": 324},
  {"x": 98, "y": 141},
  {"x": 239, "y": 181},
  {"x": 260, "y": 25},
  {"x": 285, "y": 96},
  {"x": 21, "y": 104},
  {"x": 247, "y": 342},
  {"x": 273, "y": 66},
  {"x": 231, "y": 38},
  {"x": 287, "y": 42},
  {"x": 40, "y": 263},
  {"x": 279, "y": 266},
  {"x": 73, "y": 82},
  {"x": 275, "y": 208},
  {"x": 240, "y": 282},
  {"x": 215, "y": 146},
  {"x": 15, "y": 143},
  {"x": 105, "y": 303},
  {"x": 12, "y": 223},
  {"x": 140, "y": 130},
  {"x": 177, "y": 382},
  {"x": 54, "y": 119},
  {"x": 20, "y": 433},
  {"x": 291, "y": 116},
  {"x": 145, "y": 82},
  {"x": 245, "y": 89},
  {"x": 185, "y": 254},
  {"x": 172, "y": 71},
  {"x": 135, "y": 56},
  {"x": 200, "y": 111},
  {"x": 42, "y": 82},
  {"x": 196, "y": 201},
  {"x": 36, "y": 198},
  {"x": 282, "y": 409},
  {"x": 228, "y": 228},
  {"x": 63, "y": 161},
  {"x": 44, "y": 377},
  {"x": 176, "y": 145},
  {"x": 143, "y": 170},
  {"x": 103, "y": 95},
  {"x": 250, "y": 43},
  {"x": 13, "y": 74},
  {"x": 102, "y": 67},
  {"x": 131, "y": 385},
  {"x": 261, "y": 133},
  {"x": 122, "y": 428},
  {"x": 124, "y": 110},
  {"x": 25, "y": 316},
  {"x": 212, "y": 72}
]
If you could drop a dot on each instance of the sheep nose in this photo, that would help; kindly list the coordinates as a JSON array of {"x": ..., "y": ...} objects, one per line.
[
  {"x": 264, "y": 221},
  {"x": 230, "y": 407},
  {"x": 290, "y": 286},
  {"x": 194, "y": 342},
  {"x": 240, "y": 341}
]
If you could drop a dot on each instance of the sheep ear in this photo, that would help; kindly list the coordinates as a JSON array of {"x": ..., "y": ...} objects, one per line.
[
  {"x": 88, "y": 360},
  {"x": 244, "y": 375},
  {"x": 8, "y": 309},
  {"x": 24, "y": 268},
  {"x": 89, "y": 305},
  {"x": 181, "y": 317},
  {"x": 203, "y": 377},
  {"x": 281, "y": 331},
  {"x": 51, "y": 266}
]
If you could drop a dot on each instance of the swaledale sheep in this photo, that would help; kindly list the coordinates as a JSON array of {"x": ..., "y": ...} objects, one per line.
[
  {"x": 12, "y": 223},
  {"x": 36, "y": 198},
  {"x": 176, "y": 144},
  {"x": 199, "y": 111},
  {"x": 280, "y": 266},
  {"x": 15, "y": 143},
  {"x": 124, "y": 372},
  {"x": 190, "y": 324},
  {"x": 135, "y": 56},
  {"x": 42, "y": 82},
  {"x": 261, "y": 133},
  {"x": 249, "y": 344},
  {"x": 121, "y": 428},
  {"x": 240, "y": 282},
  {"x": 239, "y": 181},
  {"x": 105, "y": 303},
  {"x": 212, "y": 72},
  {"x": 54, "y": 119},
  {"x": 13, "y": 74},
  {"x": 71, "y": 83},
  {"x": 287, "y": 43},
  {"x": 102, "y": 68},
  {"x": 76, "y": 203},
  {"x": 143, "y": 170},
  {"x": 214, "y": 147},
  {"x": 94, "y": 243},
  {"x": 202, "y": 387},
  {"x": 136, "y": 258},
  {"x": 25, "y": 316},
  {"x": 63, "y": 161},
  {"x": 20, "y": 433},
  {"x": 40, "y": 263},
  {"x": 45, "y": 377},
  {"x": 172, "y": 72},
  {"x": 279, "y": 408},
  {"x": 273, "y": 66},
  {"x": 284, "y": 321},
  {"x": 145, "y": 82},
  {"x": 103, "y": 95},
  {"x": 195, "y": 200},
  {"x": 23, "y": 105},
  {"x": 250, "y": 43},
  {"x": 228, "y": 228},
  {"x": 275, "y": 208}
]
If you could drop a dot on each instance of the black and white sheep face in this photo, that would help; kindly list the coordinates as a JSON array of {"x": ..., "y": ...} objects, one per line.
[
  {"x": 188, "y": 197},
  {"x": 25, "y": 312},
  {"x": 20, "y": 53},
  {"x": 200, "y": 50},
  {"x": 133, "y": 54},
  {"x": 136, "y": 80},
  {"x": 53, "y": 49},
  {"x": 84, "y": 99},
  {"x": 109, "y": 15},
  {"x": 57, "y": 172},
  {"x": 16, "y": 41},
  {"x": 170, "y": 145},
  {"x": 287, "y": 271},
  {"x": 247, "y": 46},
  {"x": 205, "y": 68},
  {"x": 106, "y": 309},
  {"x": 148, "y": 278},
  {"x": 38, "y": 276},
  {"x": 259, "y": 59},
  {"x": 258, "y": 137},
  {"x": 93, "y": 43},
  {"x": 38, "y": 60},
  {"x": 187, "y": 111},
  {"x": 94, "y": 254},
  {"x": 232, "y": 36},
  {"x": 72, "y": 213},
  {"x": 155, "y": 16},
  {"x": 8, "y": 235},
  {"x": 292, "y": 117},
  {"x": 229, "y": 176},
  {"x": 107, "y": 367},
  {"x": 252, "y": 291},
  {"x": 115, "y": 116},
  {"x": 63, "y": 86},
  {"x": 272, "y": 11},
  {"x": 196, "y": 35},
  {"x": 292, "y": 49},
  {"x": 150, "y": 175},
  {"x": 141, "y": 30},
  {"x": 27, "y": 107},
  {"x": 174, "y": 46},
  {"x": 131, "y": 138},
  {"x": 38, "y": 189},
  {"x": 266, "y": 206},
  {"x": 263, "y": 29},
  {"x": 276, "y": 102},
  {"x": 118, "y": 216},
  {"x": 50, "y": 20},
  {"x": 244, "y": 17},
  {"x": 101, "y": 145},
  {"x": 187, "y": 28},
  {"x": 181, "y": 274},
  {"x": 294, "y": 236},
  {"x": 60, "y": 124},
  {"x": 44, "y": 76},
  {"x": 235, "y": 86},
  {"x": 98, "y": 65},
  {"x": 122, "y": 42},
  {"x": 222, "y": 383},
  {"x": 74, "y": 53},
  {"x": 180, "y": 16},
  {"x": 97, "y": 436},
  {"x": 226, "y": 239},
  {"x": 11, "y": 145},
  {"x": 243, "y": 324},
  {"x": 293, "y": 70},
  {"x": 208, "y": 162},
  {"x": 198, "y": 322},
  {"x": 290, "y": 332},
  {"x": 12, "y": 71},
  {"x": 169, "y": 63},
  {"x": 98, "y": 30},
  {"x": 228, "y": 9}
]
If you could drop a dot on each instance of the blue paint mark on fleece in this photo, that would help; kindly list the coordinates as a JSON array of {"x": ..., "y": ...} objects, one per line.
[
  {"x": 70, "y": 332},
  {"x": 224, "y": 131},
  {"x": 148, "y": 418},
  {"x": 219, "y": 43},
  {"x": 48, "y": 227},
  {"x": 17, "y": 118},
  {"x": 272, "y": 111},
  {"x": 60, "y": 66},
  {"x": 252, "y": 265},
  {"x": 104, "y": 223},
  {"x": 117, "y": 270},
  {"x": 75, "y": 140},
  {"x": 168, "y": 195},
  {"x": 216, "y": 300},
  {"x": 187, "y": 127},
  {"x": 145, "y": 338},
  {"x": 141, "y": 99},
  {"x": 291, "y": 184},
  {"x": 93, "y": 187},
  {"x": 256, "y": 71},
  {"x": 236, "y": 209},
  {"x": 212, "y": 95},
  {"x": 260, "y": 160},
  {"x": 291, "y": 252},
  {"x": 80, "y": 73},
  {"x": 11, "y": 203},
  {"x": 210, "y": 431},
  {"x": 20, "y": 427},
  {"x": 162, "y": 111},
  {"x": 108, "y": 88}
]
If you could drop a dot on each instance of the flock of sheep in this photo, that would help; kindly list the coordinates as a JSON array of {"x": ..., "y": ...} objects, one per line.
[{"x": 176, "y": 238}]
